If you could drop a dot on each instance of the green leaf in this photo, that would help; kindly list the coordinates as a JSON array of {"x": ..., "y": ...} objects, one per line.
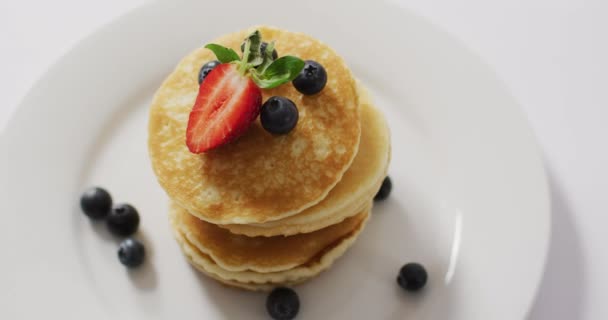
[
  {"x": 253, "y": 54},
  {"x": 268, "y": 83},
  {"x": 223, "y": 54},
  {"x": 278, "y": 72}
]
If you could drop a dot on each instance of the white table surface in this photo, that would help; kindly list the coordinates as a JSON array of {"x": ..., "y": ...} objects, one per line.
[{"x": 552, "y": 54}]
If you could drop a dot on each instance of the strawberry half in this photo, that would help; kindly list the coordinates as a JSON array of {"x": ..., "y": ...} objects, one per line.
[
  {"x": 229, "y": 97},
  {"x": 227, "y": 104}
]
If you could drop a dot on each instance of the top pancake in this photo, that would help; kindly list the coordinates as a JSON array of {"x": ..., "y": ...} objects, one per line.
[
  {"x": 259, "y": 177},
  {"x": 358, "y": 186}
]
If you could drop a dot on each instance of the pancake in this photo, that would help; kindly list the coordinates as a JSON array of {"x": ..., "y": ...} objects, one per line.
[
  {"x": 259, "y": 177},
  {"x": 252, "y": 280},
  {"x": 234, "y": 252},
  {"x": 253, "y": 286},
  {"x": 358, "y": 186}
]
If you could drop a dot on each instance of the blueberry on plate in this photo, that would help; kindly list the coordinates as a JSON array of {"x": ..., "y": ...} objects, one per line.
[
  {"x": 123, "y": 220},
  {"x": 385, "y": 189},
  {"x": 205, "y": 69},
  {"x": 312, "y": 78},
  {"x": 131, "y": 253},
  {"x": 96, "y": 202},
  {"x": 283, "y": 304},
  {"x": 279, "y": 115},
  {"x": 412, "y": 277},
  {"x": 263, "y": 46}
]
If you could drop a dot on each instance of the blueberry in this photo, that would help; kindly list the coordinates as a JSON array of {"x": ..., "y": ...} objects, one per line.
[
  {"x": 123, "y": 220},
  {"x": 131, "y": 253},
  {"x": 385, "y": 189},
  {"x": 283, "y": 304},
  {"x": 279, "y": 115},
  {"x": 312, "y": 78},
  {"x": 205, "y": 69},
  {"x": 96, "y": 203},
  {"x": 263, "y": 46},
  {"x": 412, "y": 277}
]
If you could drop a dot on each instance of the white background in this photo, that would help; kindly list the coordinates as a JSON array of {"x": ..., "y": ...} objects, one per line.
[{"x": 552, "y": 54}]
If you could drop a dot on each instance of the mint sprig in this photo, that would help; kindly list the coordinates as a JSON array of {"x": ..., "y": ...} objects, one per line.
[{"x": 263, "y": 69}]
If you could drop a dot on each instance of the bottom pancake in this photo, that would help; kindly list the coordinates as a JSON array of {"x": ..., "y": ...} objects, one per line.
[
  {"x": 235, "y": 252},
  {"x": 253, "y": 280},
  {"x": 257, "y": 283},
  {"x": 255, "y": 286}
]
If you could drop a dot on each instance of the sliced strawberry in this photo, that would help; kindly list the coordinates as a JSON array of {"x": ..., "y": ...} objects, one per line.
[{"x": 227, "y": 104}]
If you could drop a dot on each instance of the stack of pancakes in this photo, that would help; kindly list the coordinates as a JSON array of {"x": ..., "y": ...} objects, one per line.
[{"x": 271, "y": 210}]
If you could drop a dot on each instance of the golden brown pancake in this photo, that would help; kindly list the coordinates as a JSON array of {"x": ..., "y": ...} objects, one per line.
[
  {"x": 250, "y": 285},
  {"x": 234, "y": 252},
  {"x": 358, "y": 186},
  {"x": 253, "y": 280},
  {"x": 259, "y": 177}
]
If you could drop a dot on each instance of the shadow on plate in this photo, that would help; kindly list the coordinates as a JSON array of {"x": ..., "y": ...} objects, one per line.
[
  {"x": 233, "y": 303},
  {"x": 144, "y": 277},
  {"x": 562, "y": 288}
]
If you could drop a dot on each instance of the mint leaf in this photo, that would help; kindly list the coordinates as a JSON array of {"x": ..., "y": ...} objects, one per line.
[
  {"x": 289, "y": 65},
  {"x": 252, "y": 54},
  {"x": 278, "y": 72},
  {"x": 263, "y": 83},
  {"x": 223, "y": 54}
]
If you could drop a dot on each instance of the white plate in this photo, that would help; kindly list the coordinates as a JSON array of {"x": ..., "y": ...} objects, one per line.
[{"x": 469, "y": 202}]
